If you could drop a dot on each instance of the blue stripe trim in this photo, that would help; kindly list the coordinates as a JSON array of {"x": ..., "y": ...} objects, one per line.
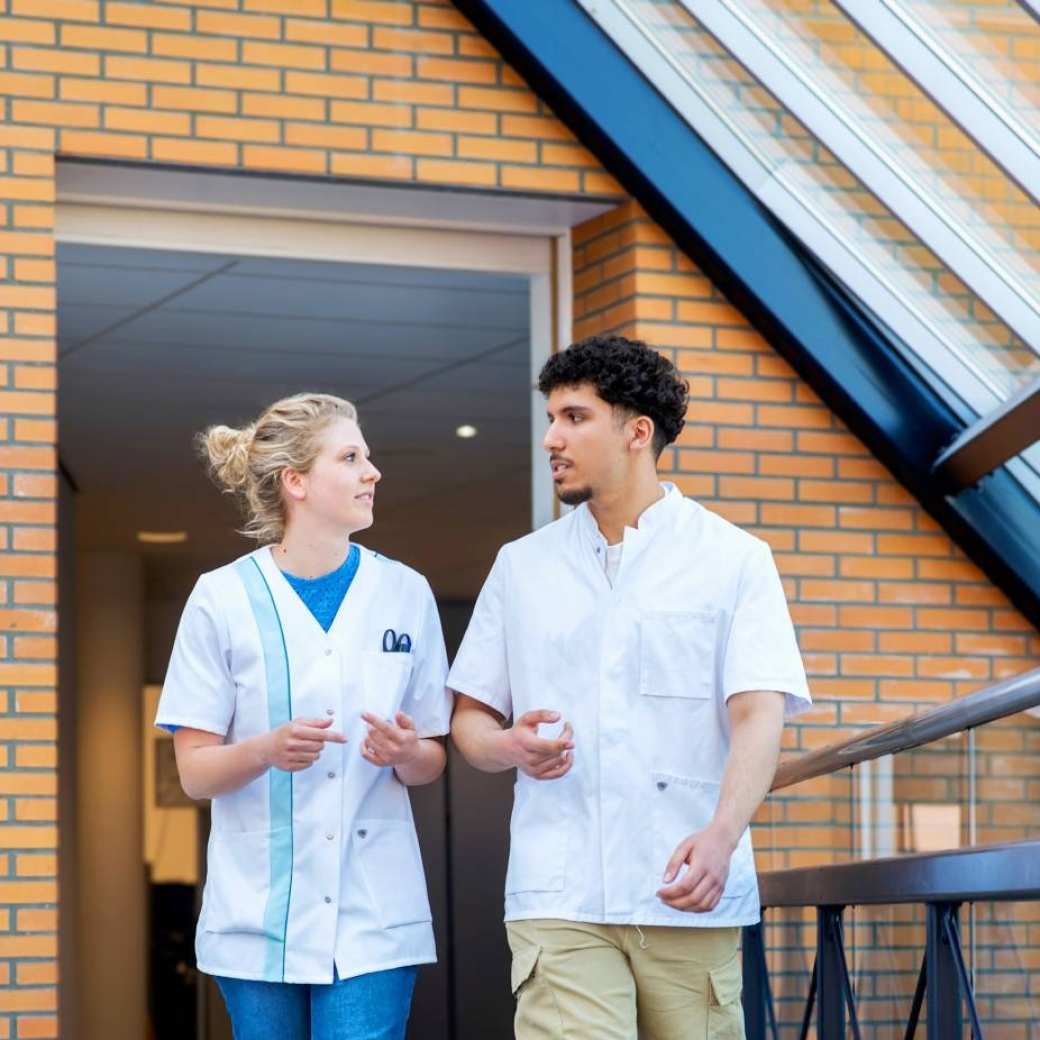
[{"x": 279, "y": 711}]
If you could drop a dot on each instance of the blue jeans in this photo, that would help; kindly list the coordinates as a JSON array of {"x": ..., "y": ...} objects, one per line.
[{"x": 366, "y": 1007}]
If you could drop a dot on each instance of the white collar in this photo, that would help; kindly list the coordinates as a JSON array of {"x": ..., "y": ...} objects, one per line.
[{"x": 655, "y": 517}]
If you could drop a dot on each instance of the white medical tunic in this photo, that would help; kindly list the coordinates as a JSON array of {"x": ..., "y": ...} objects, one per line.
[
  {"x": 642, "y": 670},
  {"x": 319, "y": 867}
]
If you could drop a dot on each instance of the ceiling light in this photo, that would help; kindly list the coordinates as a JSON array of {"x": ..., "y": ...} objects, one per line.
[
  {"x": 466, "y": 432},
  {"x": 162, "y": 537}
]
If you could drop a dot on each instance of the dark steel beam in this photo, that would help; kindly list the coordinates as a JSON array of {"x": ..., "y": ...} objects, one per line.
[
  {"x": 995, "y": 702},
  {"x": 830, "y": 988},
  {"x": 757, "y": 996},
  {"x": 991, "y": 441},
  {"x": 943, "y": 986},
  {"x": 991, "y": 872}
]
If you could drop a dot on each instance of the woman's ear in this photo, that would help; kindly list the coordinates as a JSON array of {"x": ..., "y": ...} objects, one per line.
[{"x": 294, "y": 484}]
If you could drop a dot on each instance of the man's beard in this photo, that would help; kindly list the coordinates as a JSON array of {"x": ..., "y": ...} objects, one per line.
[{"x": 575, "y": 496}]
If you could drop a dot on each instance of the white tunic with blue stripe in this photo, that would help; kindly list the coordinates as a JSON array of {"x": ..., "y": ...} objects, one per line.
[{"x": 320, "y": 867}]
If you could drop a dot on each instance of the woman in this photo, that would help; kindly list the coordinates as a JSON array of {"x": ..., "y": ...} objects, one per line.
[{"x": 305, "y": 685}]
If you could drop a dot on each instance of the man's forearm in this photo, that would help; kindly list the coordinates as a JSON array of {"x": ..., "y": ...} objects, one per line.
[
  {"x": 480, "y": 737},
  {"x": 756, "y": 726}
]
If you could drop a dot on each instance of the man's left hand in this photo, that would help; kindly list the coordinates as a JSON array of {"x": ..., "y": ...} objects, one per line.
[{"x": 706, "y": 855}]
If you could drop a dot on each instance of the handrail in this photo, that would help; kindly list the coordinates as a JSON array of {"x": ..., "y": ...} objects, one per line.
[
  {"x": 1005, "y": 872},
  {"x": 995, "y": 702}
]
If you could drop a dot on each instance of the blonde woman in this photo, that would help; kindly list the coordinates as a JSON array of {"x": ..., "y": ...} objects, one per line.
[{"x": 304, "y": 690}]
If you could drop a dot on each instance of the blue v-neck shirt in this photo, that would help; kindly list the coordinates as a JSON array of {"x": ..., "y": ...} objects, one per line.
[{"x": 324, "y": 594}]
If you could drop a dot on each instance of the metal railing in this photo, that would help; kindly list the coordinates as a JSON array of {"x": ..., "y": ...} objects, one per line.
[
  {"x": 941, "y": 881},
  {"x": 995, "y": 702}
]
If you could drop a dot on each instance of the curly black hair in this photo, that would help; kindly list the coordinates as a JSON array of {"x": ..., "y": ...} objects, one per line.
[{"x": 627, "y": 374}]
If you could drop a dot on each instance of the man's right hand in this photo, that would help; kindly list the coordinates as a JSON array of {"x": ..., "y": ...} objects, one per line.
[
  {"x": 535, "y": 756},
  {"x": 296, "y": 745}
]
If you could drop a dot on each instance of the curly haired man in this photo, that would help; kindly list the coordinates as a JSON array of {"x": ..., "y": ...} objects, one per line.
[{"x": 634, "y": 661}]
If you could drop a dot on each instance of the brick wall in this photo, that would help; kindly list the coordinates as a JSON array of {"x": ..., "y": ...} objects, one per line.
[{"x": 891, "y": 616}]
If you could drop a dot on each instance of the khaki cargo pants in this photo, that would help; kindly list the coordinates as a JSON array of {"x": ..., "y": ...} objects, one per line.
[{"x": 616, "y": 982}]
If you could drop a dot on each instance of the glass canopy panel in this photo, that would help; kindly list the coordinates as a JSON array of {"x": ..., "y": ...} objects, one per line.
[
  {"x": 884, "y": 103},
  {"x": 973, "y": 334},
  {"x": 996, "y": 41}
]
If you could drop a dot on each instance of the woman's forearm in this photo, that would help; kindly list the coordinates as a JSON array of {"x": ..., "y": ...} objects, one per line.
[
  {"x": 208, "y": 767},
  {"x": 426, "y": 766}
]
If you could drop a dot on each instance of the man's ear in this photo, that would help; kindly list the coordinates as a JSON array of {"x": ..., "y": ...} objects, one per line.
[{"x": 641, "y": 432}]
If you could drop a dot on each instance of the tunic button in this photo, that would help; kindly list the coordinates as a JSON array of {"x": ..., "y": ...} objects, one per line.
[
  {"x": 328, "y": 899},
  {"x": 328, "y": 651},
  {"x": 330, "y": 711},
  {"x": 330, "y": 836},
  {"x": 661, "y": 785},
  {"x": 362, "y": 834},
  {"x": 332, "y": 776}
]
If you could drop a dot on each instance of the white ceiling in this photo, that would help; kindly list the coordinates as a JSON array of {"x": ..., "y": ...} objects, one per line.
[{"x": 156, "y": 345}]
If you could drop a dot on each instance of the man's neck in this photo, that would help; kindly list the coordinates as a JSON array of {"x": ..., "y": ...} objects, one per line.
[
  {"x": 310, "y": 554},
  {"x": 614, "y": 512}
]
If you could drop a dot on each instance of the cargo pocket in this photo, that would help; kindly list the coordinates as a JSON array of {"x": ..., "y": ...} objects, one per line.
[
  {"x": 677, "y": 654},
  {"x": 538, "y": 1014},
  {"x": 245, "y": 872},
  {"x": 391, "y": 864},
  {"x": 725, "y": 1012},
  {"x": 525, "y": 960}
]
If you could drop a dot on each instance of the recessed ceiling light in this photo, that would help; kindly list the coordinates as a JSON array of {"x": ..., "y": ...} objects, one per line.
[
  {"x": 162, "y": 537},
  {"x": 466, "y": 431}
]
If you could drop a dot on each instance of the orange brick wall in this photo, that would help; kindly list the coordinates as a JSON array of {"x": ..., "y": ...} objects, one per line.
[{"x": 890, "y": 614}]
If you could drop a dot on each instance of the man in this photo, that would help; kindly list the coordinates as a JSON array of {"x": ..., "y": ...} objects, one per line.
[{"x": 655, "y": 635}]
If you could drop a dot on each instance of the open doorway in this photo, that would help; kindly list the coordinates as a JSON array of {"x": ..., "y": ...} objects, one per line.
[{"x": 155, "y": 345}]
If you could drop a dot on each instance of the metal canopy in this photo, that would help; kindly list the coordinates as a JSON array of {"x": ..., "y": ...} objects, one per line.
[
  {"x": 991, "y": 441},
  {"x": 806, "y": 314}
]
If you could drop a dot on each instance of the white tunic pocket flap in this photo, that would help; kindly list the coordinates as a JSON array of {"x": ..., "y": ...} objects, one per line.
[
  {"x": 683, "y": 806},
  {"x": 538, "y": 840},
  {"x": 245, "y": 872},
  {"x": 386, "y": 678},
  {"x": 391, "y": 864},
  {"x": 677, "y": 654}
]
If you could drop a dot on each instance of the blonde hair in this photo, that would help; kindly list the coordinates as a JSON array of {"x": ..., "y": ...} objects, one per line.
[{"x": 248, "y": 463}]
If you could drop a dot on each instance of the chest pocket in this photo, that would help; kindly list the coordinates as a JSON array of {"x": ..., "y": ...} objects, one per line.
[
  {"x": 386, "y": 677},
  {"x": 677, "y": 654}
]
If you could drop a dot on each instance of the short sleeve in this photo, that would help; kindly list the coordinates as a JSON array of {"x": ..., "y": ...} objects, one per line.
[
  {"x": 761, "y": 648},
  {"x": 199, "y": 691},
  {"x": 480, "y": 669},
  {"x": 427, "y": 699}
]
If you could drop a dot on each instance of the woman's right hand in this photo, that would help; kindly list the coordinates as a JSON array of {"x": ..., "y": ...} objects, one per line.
[{"x": 296, "y": 745}]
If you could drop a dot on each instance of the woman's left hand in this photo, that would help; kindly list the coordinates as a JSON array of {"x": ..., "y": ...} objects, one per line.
[{"x": 387, "y": 744}]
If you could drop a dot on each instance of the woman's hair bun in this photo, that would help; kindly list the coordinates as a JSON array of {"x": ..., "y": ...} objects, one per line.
[{"x": 227, "y": 452}]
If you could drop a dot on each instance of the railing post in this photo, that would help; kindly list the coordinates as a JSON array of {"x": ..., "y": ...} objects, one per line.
[
  {"x": 755, "y": 982},
  {"x": 830, "y": 987},
  {"x": 945, "y": 1021}
]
